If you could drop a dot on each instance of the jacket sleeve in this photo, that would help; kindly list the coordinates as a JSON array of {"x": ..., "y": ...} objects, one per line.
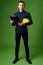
[
  {"x": 29, "y": 17},
  {"x": 14, "y": 15}
]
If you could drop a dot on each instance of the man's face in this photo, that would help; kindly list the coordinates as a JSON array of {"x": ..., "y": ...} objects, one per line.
[{"x": 21, "y": 6}]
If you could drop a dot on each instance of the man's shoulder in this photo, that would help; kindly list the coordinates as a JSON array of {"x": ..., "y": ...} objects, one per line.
[
  {"x": 27, "y": 12},
  {"x": 15, "y": 13}
]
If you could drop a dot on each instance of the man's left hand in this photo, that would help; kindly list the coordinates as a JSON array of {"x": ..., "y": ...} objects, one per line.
[{"x": 20, "y": 24}]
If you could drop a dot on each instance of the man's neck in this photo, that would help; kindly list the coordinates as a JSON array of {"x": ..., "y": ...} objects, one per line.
[{"x": 21, "y": 11}]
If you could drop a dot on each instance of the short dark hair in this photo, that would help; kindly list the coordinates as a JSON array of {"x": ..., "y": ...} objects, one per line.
[{"x": 21, "y": 1}]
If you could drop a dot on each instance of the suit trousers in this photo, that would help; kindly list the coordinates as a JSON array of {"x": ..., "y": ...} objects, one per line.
[{"x": 25, "y": 40}]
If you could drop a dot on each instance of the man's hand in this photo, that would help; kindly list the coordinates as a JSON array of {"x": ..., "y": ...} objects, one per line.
[
  {"x": 20, "y": 24},
  {"x": 11, "y": 21}
]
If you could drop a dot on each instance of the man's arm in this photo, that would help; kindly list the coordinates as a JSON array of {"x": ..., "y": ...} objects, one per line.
[
  {"x": 29, "y": 17},
  {"x": 12, "y": 22}
]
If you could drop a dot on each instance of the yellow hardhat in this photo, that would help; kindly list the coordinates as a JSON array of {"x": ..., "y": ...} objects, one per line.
[{"x": 25, "y": 20}]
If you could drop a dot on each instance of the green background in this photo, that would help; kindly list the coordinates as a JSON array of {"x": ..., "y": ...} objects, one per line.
[{"x": 7, "y": 33}]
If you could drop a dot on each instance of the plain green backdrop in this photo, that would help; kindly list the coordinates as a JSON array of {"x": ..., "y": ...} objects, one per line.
[{"x": 7, "y": 31}]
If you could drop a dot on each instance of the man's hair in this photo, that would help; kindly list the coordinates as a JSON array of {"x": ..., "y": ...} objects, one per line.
[{"x": 21, "y": 2}]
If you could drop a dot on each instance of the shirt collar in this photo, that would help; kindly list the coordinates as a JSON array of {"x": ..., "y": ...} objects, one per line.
[{"x": 21, "y": 12}]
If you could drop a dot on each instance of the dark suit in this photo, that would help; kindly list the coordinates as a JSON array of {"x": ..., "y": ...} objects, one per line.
[{"x": 22, "y": 31}]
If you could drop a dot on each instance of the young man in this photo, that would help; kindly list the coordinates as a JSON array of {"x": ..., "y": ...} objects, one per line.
[{"x": 21, "y": 30}]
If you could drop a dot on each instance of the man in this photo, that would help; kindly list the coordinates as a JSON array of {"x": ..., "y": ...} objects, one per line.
[{"x": 21, "y": 30}]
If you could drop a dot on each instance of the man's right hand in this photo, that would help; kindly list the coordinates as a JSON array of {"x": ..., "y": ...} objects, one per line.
[{"x": 11, "y": 21}]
